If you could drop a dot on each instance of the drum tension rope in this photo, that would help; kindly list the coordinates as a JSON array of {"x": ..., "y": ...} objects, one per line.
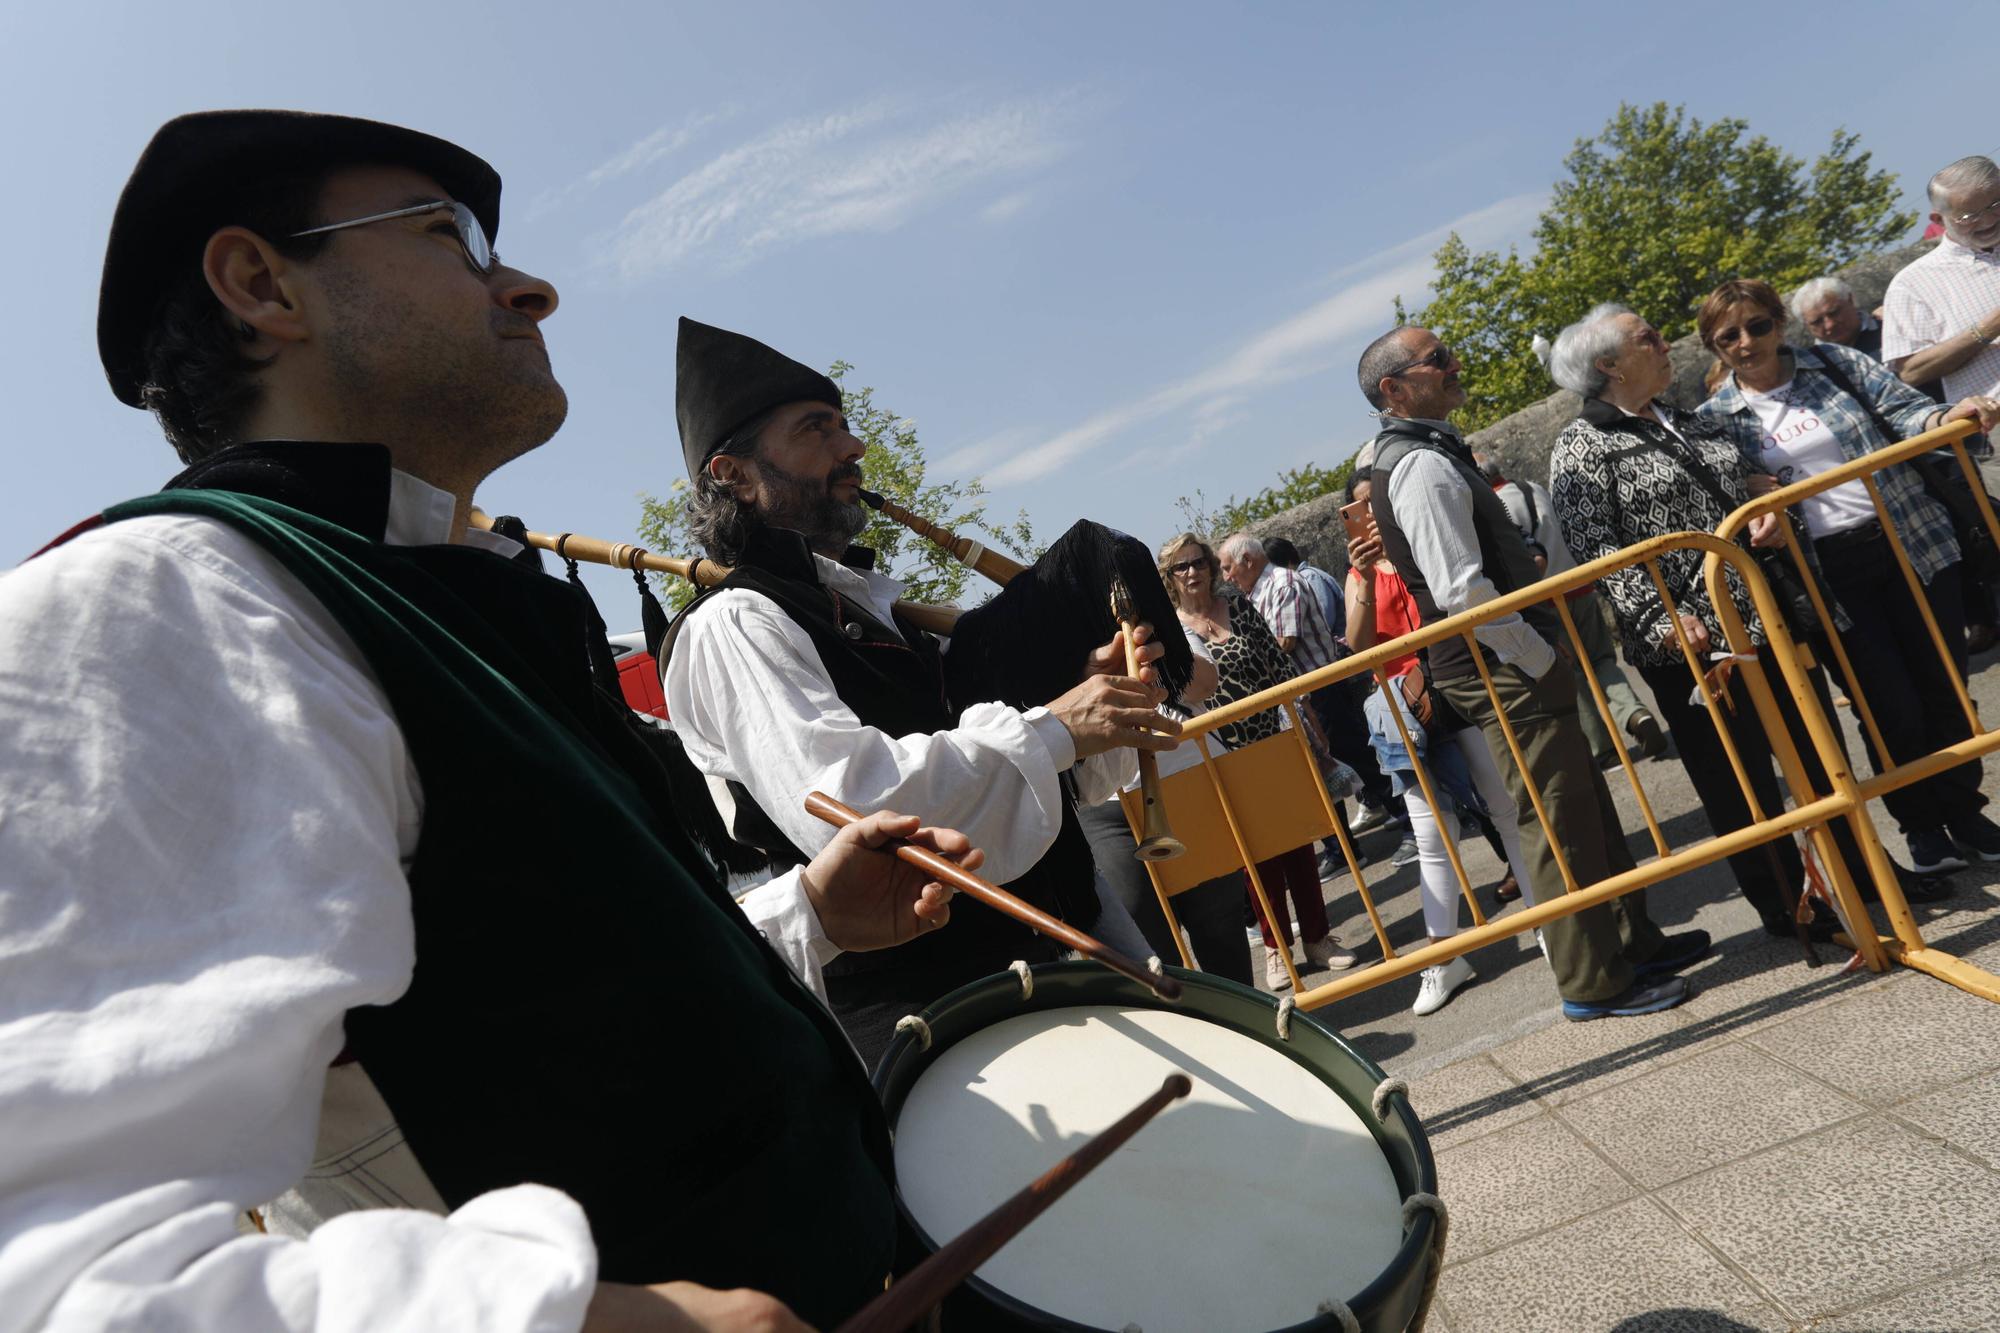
[{"x": 1384, "y": 1090}]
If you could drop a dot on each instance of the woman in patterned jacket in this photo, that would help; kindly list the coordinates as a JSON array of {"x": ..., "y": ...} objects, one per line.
[
  {"x": 1630, "y": 467},
  {"x": 1796, "y": 414}
]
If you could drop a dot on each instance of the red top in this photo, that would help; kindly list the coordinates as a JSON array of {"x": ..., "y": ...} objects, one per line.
[{"x": 1396, "y": 614}]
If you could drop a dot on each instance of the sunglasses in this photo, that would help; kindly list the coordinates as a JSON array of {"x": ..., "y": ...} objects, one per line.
[
  {"x": 1437, "y": 359},
  {"x": 1199, "y": 562},
  {"x": 478, "y": 251},
  {"x": 1754, "y": 328}
]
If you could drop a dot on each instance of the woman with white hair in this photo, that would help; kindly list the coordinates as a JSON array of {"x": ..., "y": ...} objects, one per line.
[{"x": 1631, "y": 467}]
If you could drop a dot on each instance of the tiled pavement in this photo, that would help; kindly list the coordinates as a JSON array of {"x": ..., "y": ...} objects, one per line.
[{"x": 1792, "y": 1149}]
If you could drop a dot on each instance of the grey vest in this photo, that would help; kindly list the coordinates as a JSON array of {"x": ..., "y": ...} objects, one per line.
[{"x": 1503, "y": 552}]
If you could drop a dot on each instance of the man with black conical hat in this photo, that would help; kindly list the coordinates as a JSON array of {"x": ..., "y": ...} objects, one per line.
[
  {"x": 298, "y": 767},
  {"x": 798, "y": 673}
]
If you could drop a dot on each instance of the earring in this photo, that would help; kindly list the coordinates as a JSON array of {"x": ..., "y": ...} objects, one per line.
[{"x": 245, "y": 332}]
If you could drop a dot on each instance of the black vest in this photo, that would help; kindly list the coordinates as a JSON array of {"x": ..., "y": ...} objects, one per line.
[
  {"x": 589, "y": 1010},
  {"x": 1503, "y": 552},
  {"x": 894, "y": 681}
]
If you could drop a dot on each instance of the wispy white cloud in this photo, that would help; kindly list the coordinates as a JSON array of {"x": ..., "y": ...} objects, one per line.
[
  {"x": 865, "y": 169},
  {"x": 1008, "y": 207},
  {"x": 1303, "y": 344},
  {"x": 657, "y": 146}
]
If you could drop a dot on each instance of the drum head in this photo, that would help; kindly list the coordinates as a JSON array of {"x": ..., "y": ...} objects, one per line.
[{"x": 1244, "y": 1206}]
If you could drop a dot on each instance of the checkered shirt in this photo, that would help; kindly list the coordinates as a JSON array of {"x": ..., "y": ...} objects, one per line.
[
  {"x": 1292, "y": 612},
  {"x": 1939, "y": 296},
  {"x": 1922, "y": 522}
]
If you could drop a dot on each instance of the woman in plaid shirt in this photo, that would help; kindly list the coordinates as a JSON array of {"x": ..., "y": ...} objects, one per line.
[{"x": 1791, "y": 415}]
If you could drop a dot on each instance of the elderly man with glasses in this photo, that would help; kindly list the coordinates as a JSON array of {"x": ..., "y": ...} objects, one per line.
[
  {"x": 1457, "y": 547},
  {"x": 1941, "y": 314}
]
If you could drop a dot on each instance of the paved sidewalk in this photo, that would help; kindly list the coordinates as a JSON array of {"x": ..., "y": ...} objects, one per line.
[{"x": 1791, "y": 1149}]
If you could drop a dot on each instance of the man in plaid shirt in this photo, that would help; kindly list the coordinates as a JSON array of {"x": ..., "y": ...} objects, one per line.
[{"x": 1300, "y": 628}]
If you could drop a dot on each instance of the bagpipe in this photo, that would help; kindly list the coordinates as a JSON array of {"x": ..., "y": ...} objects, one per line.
[{"x": 1023, "y": 647}]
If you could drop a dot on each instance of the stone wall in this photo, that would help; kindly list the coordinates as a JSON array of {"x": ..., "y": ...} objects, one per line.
[{"x": 1523, "y": 441}]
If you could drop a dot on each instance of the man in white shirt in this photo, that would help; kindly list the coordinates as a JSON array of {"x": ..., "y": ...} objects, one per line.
[
  {"x": 798, "y": 673},
  {"x": 273, "y": 737},
  {"x": 1941, "y": 314},
  {"x": 1457, "y": 547}
]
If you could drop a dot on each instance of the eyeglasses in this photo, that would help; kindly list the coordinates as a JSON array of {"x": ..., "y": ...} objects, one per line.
[
  {"x": 1199, "y": 562},
  {"x": 479, "y": 252},
  {"x": 1967, "y": 219},
  {"x": 1438, "y": 358},
  {"x": 1752, "y": 328}
]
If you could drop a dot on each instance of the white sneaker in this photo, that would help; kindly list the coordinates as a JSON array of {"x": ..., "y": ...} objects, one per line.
[
  {"x": 1371, "y": 817},
  {"x": 1328, "y": 954},
  {"x": 1438, "y": 985},
  {"x": 1275, "y": 975}
]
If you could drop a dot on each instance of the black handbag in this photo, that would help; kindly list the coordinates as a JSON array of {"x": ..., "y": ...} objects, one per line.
[{"x": 1943, "y": 482}]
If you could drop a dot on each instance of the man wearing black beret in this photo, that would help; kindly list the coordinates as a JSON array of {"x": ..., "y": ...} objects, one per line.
[
  {"x": 798, "y": 673},
  {"x": 300, "y": 771}
]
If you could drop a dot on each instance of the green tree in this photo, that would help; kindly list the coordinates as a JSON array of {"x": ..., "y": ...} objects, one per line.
[
  {"x": 1295, "y": 487},
  {"x": 894, "y": 467},
  {"x": 1656, "y": 210}
]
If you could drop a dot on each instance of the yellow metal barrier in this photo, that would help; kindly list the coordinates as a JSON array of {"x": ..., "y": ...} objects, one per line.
[
  {"x": 1908, "y": 946},
  {"x": 1246, "y": 806}
]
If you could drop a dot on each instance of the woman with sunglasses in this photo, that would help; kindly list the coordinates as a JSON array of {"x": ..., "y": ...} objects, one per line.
[
  {"x": 1247, "y": 660},
  {"x": 1797, "y": 414},
  {"x": 1629, "y": 468}
]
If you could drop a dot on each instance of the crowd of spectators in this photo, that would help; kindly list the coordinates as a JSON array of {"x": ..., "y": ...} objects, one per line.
[{"x": 1447, "y": 530}]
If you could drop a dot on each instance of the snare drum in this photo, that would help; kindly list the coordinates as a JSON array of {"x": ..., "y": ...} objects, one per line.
[{"x": 1269, "y": 1192}]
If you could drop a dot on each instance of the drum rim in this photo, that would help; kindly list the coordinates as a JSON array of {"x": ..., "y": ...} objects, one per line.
[{"x": 1056, "y": 987}]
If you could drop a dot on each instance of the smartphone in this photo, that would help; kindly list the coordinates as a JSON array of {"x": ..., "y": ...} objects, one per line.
[{"x": 1355, "y": 518}]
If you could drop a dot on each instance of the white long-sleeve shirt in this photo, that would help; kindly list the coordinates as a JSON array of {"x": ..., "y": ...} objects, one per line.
[
  {"x": 753, "y": 703},
  {"x": 1433, "y": 503},
  {"x": 206, "y": 810}
]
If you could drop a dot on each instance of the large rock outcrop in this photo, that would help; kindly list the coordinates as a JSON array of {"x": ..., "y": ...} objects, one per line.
[{"x": 1523, "y": 441}]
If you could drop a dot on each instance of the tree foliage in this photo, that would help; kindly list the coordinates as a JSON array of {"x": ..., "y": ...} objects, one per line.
[
  {"x": 1295, "y": 487},
  {"x": 894, "y": 467},
  {"x": 1656, "y": 211}
]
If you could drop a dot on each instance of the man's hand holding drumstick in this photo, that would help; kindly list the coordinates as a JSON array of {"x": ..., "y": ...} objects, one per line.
[{"x": 868, "y": 898}]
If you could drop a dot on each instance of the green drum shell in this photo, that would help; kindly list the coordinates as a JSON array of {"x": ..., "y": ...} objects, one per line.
[{"x": 1389, "y": 1303}]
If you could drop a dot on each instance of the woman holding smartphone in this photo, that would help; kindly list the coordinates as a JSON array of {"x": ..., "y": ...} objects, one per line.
[{"x": 1379, "y": 606}]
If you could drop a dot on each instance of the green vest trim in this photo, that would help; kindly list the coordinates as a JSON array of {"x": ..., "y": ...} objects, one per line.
[{"x": 585, "y": 1013}]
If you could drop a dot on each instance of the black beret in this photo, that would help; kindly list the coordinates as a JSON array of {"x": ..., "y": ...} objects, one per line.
[
  {"x": 180, "y": 191},
  {"x": 723, "y": 379}
]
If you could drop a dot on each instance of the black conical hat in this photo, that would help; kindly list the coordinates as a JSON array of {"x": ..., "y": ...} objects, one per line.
[{"x": 722, "y": 379}]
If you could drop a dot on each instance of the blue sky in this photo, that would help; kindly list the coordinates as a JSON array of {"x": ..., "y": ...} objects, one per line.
[{"x": 1104, "y": 254}]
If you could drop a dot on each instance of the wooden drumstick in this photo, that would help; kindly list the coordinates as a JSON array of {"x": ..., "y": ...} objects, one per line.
[
  {"x": 822, "y": 806},
  {"x": 1156, "y": 841},
  {"x": 902, "y": 1305}
]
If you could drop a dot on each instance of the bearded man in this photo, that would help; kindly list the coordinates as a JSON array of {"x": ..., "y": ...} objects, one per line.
[{"x": 799, "y": 673}]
